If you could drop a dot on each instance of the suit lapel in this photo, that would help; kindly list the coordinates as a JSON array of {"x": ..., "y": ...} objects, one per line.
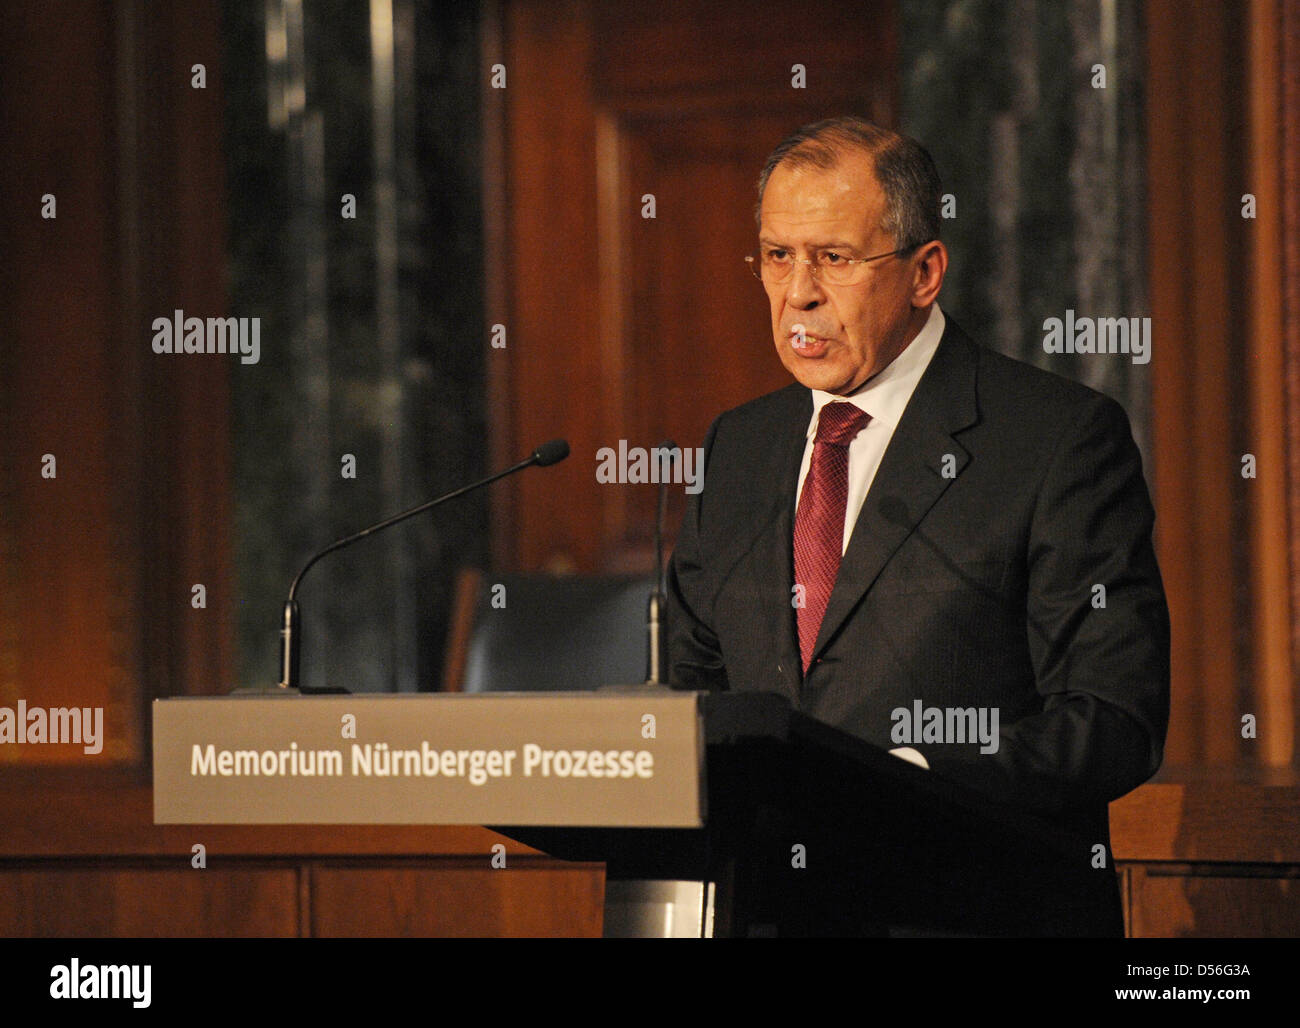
[
  {"x": 755, "y": 548},
  {"x": 773, "y": 549},
  {"x": 911, "y": 475}
]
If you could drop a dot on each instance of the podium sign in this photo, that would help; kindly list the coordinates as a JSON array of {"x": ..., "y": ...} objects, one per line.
[{"x": 627, "y": 759}]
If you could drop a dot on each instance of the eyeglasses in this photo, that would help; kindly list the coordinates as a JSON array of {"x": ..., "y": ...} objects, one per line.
[{"x": 830, "y": 266}]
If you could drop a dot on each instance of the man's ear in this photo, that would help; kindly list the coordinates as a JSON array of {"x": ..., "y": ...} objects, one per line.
[{"x": 931, "y": 265}]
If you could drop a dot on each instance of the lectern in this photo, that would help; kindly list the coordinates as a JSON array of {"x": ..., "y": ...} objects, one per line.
[{"x": 791, "y": 827}]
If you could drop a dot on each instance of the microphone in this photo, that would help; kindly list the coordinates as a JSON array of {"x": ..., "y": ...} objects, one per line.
[
  {"x": 659, "y": 594},
  {"x": 548, "y": 453},
  {"x": 544, "y": 456}
]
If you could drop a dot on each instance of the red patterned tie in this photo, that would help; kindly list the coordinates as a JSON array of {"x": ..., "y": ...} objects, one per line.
[{"x": 819, "y": 523}]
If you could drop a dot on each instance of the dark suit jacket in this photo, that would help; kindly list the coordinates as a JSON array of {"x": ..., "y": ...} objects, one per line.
[{"x": 973, "y": 590}]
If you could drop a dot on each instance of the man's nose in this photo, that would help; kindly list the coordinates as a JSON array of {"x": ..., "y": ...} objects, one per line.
[{"x": 804, "y": 290}]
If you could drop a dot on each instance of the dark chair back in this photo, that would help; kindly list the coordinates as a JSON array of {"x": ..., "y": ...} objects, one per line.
[{"x": 556, "y": 633}]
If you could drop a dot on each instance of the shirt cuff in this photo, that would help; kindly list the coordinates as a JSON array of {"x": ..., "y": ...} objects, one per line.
[{"x": 911, "y": 756}]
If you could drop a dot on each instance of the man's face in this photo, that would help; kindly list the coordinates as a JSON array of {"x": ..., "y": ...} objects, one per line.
[{"x": 849, "y": 332}]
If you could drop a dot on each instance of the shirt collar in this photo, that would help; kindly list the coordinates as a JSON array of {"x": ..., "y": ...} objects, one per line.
[{"x": 884, "y": 396}]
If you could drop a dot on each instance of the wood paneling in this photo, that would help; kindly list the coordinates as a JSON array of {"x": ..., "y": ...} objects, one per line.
[
  {"x": 1213, "y": 99},
  {"x": 111, "y": 815},
  {"x": 1181, "y": 901},
  {"x": 447, "y": 901},
  {"x": 86, "y": 860},
  {"x": 1193, "y": 121},
  {"x": 1288, "y": 33},
  {"x": 1210, "y": 853},
  {"x": 384, "y": 895},
  {"x": 1273, "y": 688},
  {"x": 177, "y": 409},
  {"x": 99, "y": 563},
  {"x": 148, "y": 902},
  {"x": 66, "y": 589},
  {"x": 1208, "y": 821},
  {"x": 623, "y": 326}
]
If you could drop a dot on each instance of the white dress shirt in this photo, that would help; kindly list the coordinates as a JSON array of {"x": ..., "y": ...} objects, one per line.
[{"x": 884, "y": 397}]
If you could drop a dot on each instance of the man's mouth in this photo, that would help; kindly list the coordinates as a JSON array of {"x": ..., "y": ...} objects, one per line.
[{"x": 807, "y": 344}]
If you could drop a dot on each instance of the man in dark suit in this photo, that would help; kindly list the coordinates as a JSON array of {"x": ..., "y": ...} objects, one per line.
[{"x": 920, "y": 524}]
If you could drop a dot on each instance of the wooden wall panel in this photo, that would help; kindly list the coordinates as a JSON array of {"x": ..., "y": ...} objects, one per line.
[
  {"x": 1208, "y": 821},
  {"x": 1215, "y": 115},
  {"x": 66, "y": 592},
  {"x": 383, "y": 895},
  {"x": 1272, "y": 688},
  {"x": 549, "y": 265},
  {"x": 1215, "y": 855},
  {"x": 1288, "y": 31},
  {"x": 112, "y": 815},
  {"x": 99, "y": 563},
  {"x": 1179, "y": 902},
  {"x": 450, "y": 901},
  {"x": 86, "y": 859},
  {"x": 176, "y": 413},
  {"x": 148, "y": 902},
  {"x": 1194, "y": 387}
]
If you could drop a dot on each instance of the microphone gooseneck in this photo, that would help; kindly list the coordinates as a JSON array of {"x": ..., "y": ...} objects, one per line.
[
  {"x": 548, "y": 453},
  {"x": 658, "y": 595}
]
